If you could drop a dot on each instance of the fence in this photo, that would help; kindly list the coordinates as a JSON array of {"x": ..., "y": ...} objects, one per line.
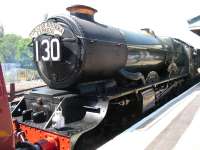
[{"x": 18, "y": 80}]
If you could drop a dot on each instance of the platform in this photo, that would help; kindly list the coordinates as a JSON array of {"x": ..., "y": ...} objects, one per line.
[{"x": 174, "y": 126}]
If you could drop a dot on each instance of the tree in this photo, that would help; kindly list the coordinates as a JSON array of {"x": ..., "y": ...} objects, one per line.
[
  {"x": 14, "y": 49},
  {"x": 8, "y": 48},
  {"x": 24, "y": 54},
  {"x": 1, "y": 31}
]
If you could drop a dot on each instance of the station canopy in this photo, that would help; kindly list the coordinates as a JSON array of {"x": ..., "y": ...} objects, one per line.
[{"x": 194, "y": 25}]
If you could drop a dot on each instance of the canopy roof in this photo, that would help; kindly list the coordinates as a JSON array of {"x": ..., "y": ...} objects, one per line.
[{"x": 194, "y": 25}]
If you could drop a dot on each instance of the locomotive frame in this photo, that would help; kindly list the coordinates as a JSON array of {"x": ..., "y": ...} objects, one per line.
[{"x": 94, "y": 112}]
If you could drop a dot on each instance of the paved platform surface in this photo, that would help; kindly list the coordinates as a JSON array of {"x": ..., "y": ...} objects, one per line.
[{"x": 174, "y": 126}]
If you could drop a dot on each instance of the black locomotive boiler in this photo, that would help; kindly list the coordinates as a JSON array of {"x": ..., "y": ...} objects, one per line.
[
  {"x": 90, "y": 68},
  {"x": 91, "y": 51}
]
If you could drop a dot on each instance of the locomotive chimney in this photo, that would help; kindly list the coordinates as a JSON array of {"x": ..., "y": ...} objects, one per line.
[{"x": 82, "y": 11}]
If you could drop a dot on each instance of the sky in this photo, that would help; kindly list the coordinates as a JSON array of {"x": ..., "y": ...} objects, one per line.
[{"x": 166, "y": 18}]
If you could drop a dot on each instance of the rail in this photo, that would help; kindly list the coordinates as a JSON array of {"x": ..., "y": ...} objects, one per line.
[{"x": 13, "y": 93}]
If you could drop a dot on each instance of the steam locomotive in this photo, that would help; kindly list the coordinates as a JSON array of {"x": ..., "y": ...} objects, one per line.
[{"x": 90, "y": 67}]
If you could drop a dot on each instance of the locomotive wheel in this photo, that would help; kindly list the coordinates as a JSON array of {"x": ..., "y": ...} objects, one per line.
[
  {"x": 173, "y": 70},
  {"x": 152, "y": 77}
]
